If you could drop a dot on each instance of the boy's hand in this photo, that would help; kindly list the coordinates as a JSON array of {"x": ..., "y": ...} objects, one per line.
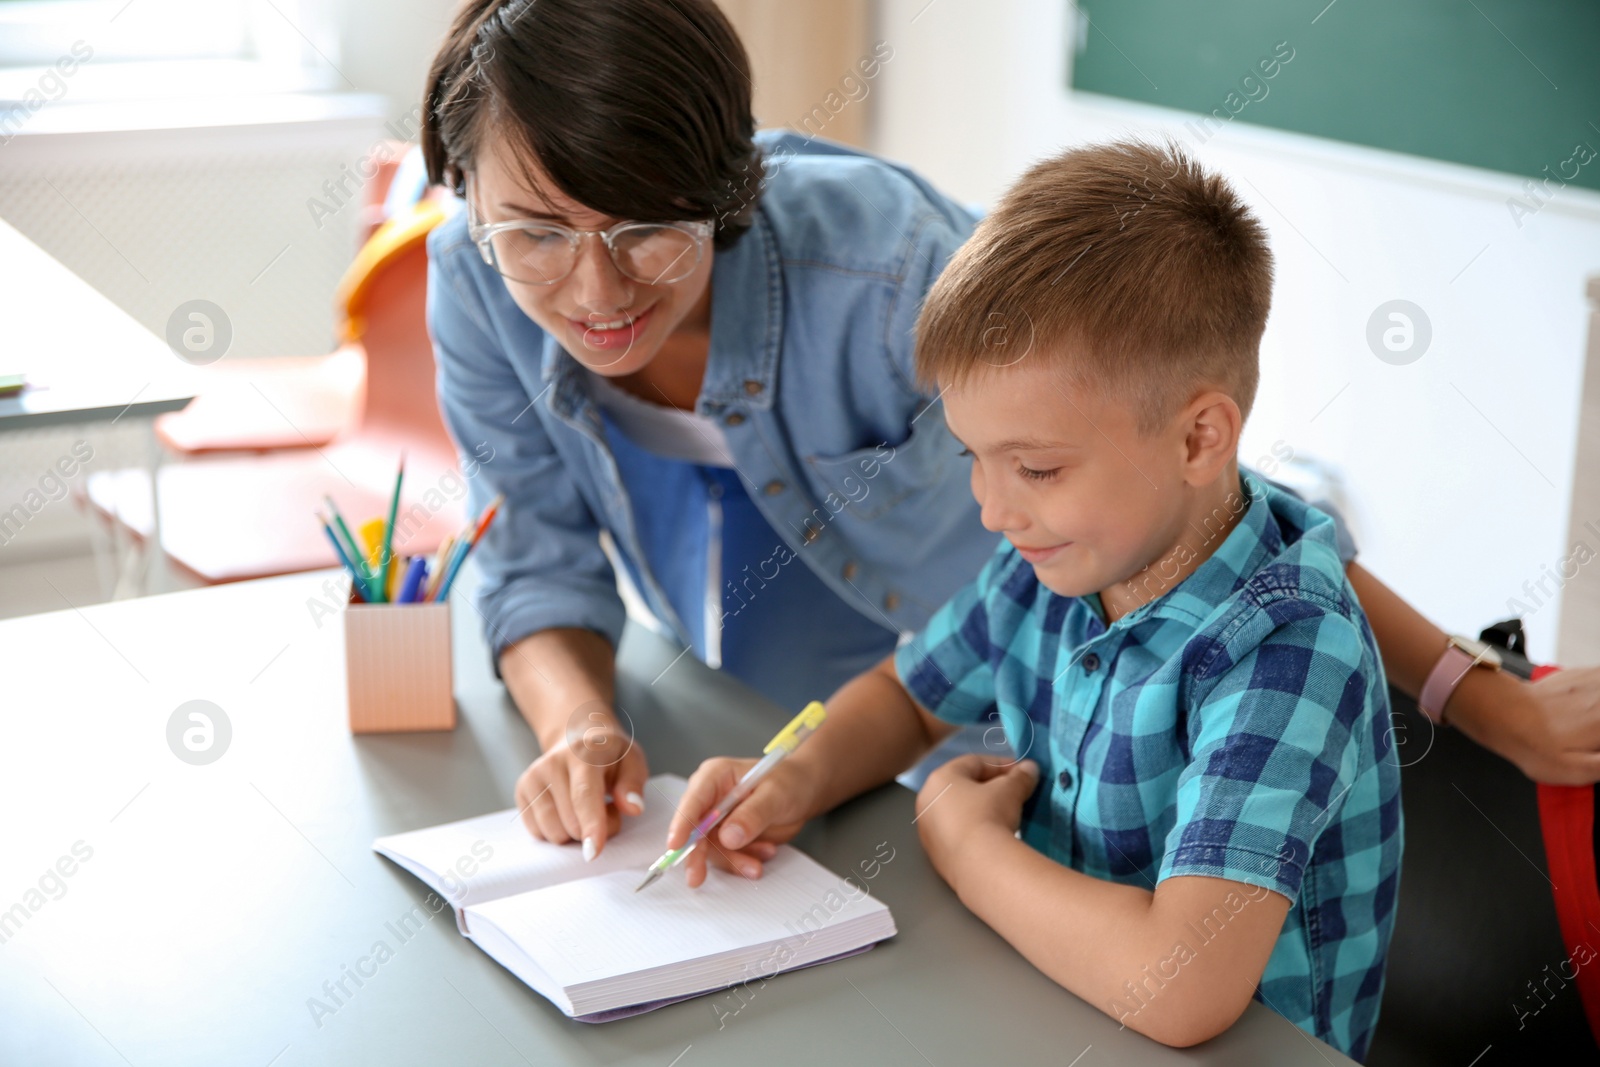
[
  {"x": 562, "y": 794},
  {"x": 770, "y": 815},
  {"x": 966, "y": 796}
]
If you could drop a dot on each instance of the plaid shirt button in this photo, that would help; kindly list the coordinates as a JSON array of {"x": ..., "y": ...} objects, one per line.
[{"x": 1091, "y": 663}]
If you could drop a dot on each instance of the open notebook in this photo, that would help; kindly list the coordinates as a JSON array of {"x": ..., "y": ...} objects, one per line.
[{"x": 579, "y": 935}]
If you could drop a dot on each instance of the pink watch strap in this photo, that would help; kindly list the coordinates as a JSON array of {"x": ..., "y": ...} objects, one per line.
[{"x": 1442, "y": 681}]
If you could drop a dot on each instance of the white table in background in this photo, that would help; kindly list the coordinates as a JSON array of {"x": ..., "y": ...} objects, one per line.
[{"x": 85, "y": 359}]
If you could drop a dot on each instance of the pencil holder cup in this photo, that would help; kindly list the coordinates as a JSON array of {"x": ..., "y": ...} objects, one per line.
[{"x": 397, "y": 667}]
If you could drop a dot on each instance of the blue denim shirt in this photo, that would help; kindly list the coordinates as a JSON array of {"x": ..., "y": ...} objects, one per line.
[{"x": 809, "y": 372}]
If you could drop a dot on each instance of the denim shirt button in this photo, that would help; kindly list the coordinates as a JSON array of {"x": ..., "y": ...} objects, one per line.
[
  {"x": 811, "y": 534},
  {"x": 891, "y": 602},
  {"x": 773, "y": 488},
  {"x": 734, "y": 418},
  {"x": 752, "y": 387},
  {"x": 849, "y": 571}
]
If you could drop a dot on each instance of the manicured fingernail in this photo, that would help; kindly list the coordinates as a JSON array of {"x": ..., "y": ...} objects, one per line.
[
  {"x": 636, "y": 800},
  {"x": 733, "y": 836},
  {"x": 748, "y": 870},
  {"x": 588, "y": 849}
]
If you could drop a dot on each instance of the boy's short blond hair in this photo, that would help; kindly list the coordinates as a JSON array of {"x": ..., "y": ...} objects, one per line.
[{"x": 1144, "y": 277}]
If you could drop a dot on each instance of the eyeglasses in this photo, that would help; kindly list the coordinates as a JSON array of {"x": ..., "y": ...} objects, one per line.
[{"x": 543, "y": 253}]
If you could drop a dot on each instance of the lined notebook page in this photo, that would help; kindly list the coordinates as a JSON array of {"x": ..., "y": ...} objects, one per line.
[
  {"x": 504, "y": 858},
  {"x": 599, "y": 928}
]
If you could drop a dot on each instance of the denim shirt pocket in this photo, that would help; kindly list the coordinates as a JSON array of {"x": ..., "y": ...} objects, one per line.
[{"x": 873, "y": 480}]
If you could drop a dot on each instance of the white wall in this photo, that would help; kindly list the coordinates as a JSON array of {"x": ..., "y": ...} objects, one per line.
[
  {"x": 385, "y": 47},
  {"x": 1459, "y": 465}
]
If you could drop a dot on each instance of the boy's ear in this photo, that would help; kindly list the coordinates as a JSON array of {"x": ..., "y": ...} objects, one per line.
[{"x": 1212, "y": 425}]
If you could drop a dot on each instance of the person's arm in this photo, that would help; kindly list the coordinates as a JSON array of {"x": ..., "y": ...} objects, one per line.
[
  {"x": 873, "y": 732},
  {"x": 552, "y": 673},
  {"x": 549, "y": 602},
  {"x": 1228, "y": 867},
  {"x": 1549, "y": 729},
  {"x": 562, "y": 680},
  {"x": 1114, "y": 945},
  {"x": 1272, "y": 767},
  {"x": 875, "y": 729}
]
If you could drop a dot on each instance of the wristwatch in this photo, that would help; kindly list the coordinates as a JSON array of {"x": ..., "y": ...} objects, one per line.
[{"x": 1461, "y": 655}]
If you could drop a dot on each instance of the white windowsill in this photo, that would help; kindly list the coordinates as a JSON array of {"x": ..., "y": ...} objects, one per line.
[
  {"x": 180, "y": 95},
  {"x": 164, "y": 79},
  {"x": 170, "y": 93}
]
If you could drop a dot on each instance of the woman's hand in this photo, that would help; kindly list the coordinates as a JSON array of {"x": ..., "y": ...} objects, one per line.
[
  {"x": 1550, "y": 728},
  {"x": 562, "y": 795},
  {"x": 966, "y": 797},
  {"x": 772, "y": 813}
]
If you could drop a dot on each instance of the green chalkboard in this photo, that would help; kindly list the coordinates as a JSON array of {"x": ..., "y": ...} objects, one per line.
[{"x": 1511, "y": 85}]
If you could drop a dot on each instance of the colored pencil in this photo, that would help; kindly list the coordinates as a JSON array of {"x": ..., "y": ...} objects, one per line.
[
  {"x": 469, "y": 544},
  {"x": 387, "y": 560},
  {"x": 356, "y": 581},
  {"x": 355, "y": 553},
  {"x": 440, "y": 558}
]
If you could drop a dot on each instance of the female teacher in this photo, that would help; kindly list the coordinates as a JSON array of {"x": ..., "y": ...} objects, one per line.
[{"x": 695, "y": 343}]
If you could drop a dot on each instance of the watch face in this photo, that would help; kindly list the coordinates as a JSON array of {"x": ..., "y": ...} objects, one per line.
[{"x": 1482, "y": 653}]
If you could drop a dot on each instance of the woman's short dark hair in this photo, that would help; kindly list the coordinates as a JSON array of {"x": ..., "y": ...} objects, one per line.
[{"x": 636, "y": 109}]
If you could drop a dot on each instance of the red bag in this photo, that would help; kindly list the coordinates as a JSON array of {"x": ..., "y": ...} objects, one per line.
[{"x": 1571, "y": 828}]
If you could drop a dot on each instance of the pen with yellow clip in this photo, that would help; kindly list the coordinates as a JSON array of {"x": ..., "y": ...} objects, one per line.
[{"x": 789, "y": 738}]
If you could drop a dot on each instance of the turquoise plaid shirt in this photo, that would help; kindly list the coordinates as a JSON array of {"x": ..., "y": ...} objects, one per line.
[{"x": 1236, "y": 726}]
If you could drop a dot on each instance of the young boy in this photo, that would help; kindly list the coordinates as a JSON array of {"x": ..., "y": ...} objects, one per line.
[{"x": 1208, "y": 804}]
